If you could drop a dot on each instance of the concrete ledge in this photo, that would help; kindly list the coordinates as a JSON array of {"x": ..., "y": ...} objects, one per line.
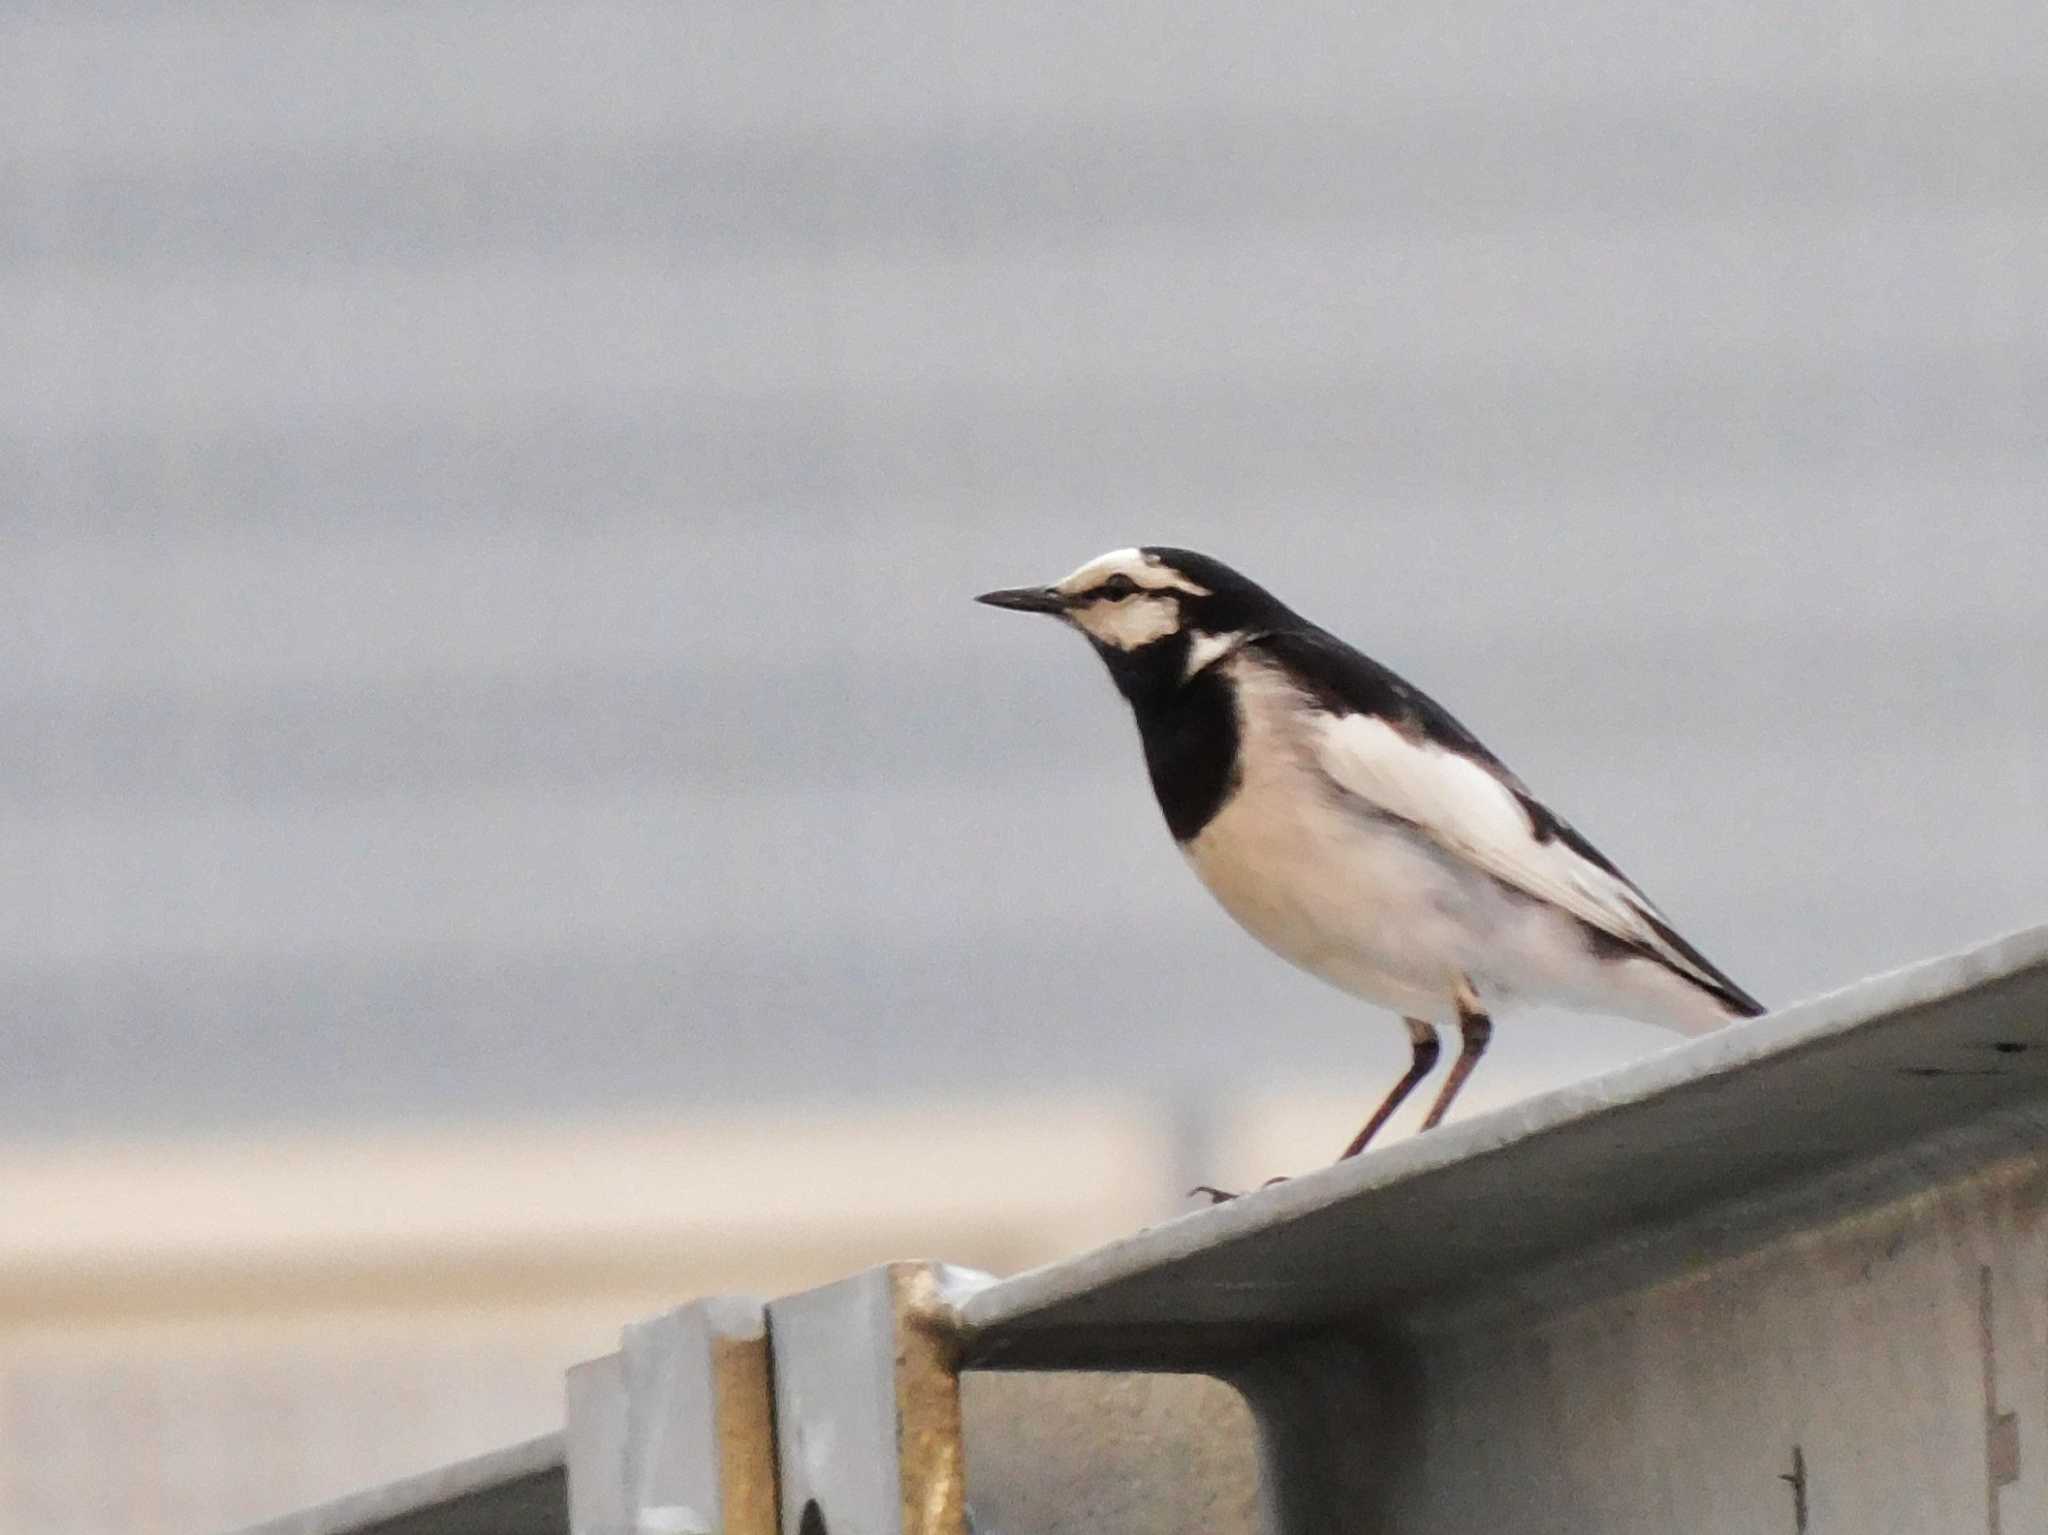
[
  {"x": 1704, "y": 1147},
  {"x": 520, "y": 1490},
  {"x": 1789, "y": 1126}
]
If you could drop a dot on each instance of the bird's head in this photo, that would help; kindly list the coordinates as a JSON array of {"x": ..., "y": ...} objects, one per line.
[{"x": 1156, "y": 615}]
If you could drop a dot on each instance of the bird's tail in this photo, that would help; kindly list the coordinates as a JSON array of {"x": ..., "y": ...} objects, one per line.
[
  {"x": 1692, "y": 1008},
  {"x": 1694, "y": 967}
]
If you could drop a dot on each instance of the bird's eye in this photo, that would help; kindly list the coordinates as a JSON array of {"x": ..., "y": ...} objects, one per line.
[{"x": 1118, "y": 585}]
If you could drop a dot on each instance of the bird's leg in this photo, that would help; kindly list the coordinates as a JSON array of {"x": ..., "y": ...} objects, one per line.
[
  {"x": 1423, "y": 1048},
  {"x": 1474, "y": 1030},
  {"x": 1423, "y": 1052}
]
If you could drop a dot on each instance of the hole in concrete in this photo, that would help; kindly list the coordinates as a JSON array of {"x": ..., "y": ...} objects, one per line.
[
  {"x": 2010, "y": 1047},
  {"x": 813, "y": 1521}
]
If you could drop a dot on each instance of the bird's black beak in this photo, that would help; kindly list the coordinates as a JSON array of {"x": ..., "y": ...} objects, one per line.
[{"x": 1026, "y": 599}]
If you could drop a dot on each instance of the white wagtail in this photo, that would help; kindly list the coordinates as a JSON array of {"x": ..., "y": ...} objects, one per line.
[{"x": 1355, "y": 828}]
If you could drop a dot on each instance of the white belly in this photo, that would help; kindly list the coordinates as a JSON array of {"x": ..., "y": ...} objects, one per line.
[
  {"x": 1379, "y": 910},
  {"x": 1365, "y": 904}
]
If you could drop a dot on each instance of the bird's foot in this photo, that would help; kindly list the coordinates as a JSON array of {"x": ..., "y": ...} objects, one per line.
[{"x": 1217, "y": 1196}]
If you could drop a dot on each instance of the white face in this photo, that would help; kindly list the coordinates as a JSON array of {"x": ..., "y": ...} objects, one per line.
[{"x": 1134, "y": 606}]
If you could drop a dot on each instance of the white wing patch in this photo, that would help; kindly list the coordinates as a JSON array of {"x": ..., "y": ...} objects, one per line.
[{"x": 1469, "y": 812}]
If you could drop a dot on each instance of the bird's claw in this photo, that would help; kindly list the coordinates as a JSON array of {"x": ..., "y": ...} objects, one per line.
[{"x": 1218, "y": 1196}]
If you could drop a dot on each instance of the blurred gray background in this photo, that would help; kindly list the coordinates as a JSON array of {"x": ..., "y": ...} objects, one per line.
[
  {"x": 492, "y": 493},
  {"x": 489, "y": 498}
]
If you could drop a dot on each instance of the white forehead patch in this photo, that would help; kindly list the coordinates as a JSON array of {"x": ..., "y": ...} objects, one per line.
[
  {"x": 1140, "y": 567},
  {"x": 1137, "y": 618}
]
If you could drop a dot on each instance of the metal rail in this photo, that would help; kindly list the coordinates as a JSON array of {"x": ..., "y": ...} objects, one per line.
[
  {"x": 519, "y": 1490},
  {"x": 1791, "y": 1277}
]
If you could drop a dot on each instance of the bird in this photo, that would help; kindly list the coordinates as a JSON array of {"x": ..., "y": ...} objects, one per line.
[{"x": 1353, "y": 826}]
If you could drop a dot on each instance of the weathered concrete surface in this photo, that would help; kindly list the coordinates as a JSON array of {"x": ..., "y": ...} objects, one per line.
[
  {"x": 1884, "y": 1373},
  {"x": 1100, "y": 1453},
  {"x": 867, "y": 1404},
  {"x": 674, "y": 1434},
  {"x": 1793, "y": 1277},
  {"x": 1897, "y": 1083},
  {"x": 520, "y": 1490},
  {"x": 595, "y": 1412}
]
